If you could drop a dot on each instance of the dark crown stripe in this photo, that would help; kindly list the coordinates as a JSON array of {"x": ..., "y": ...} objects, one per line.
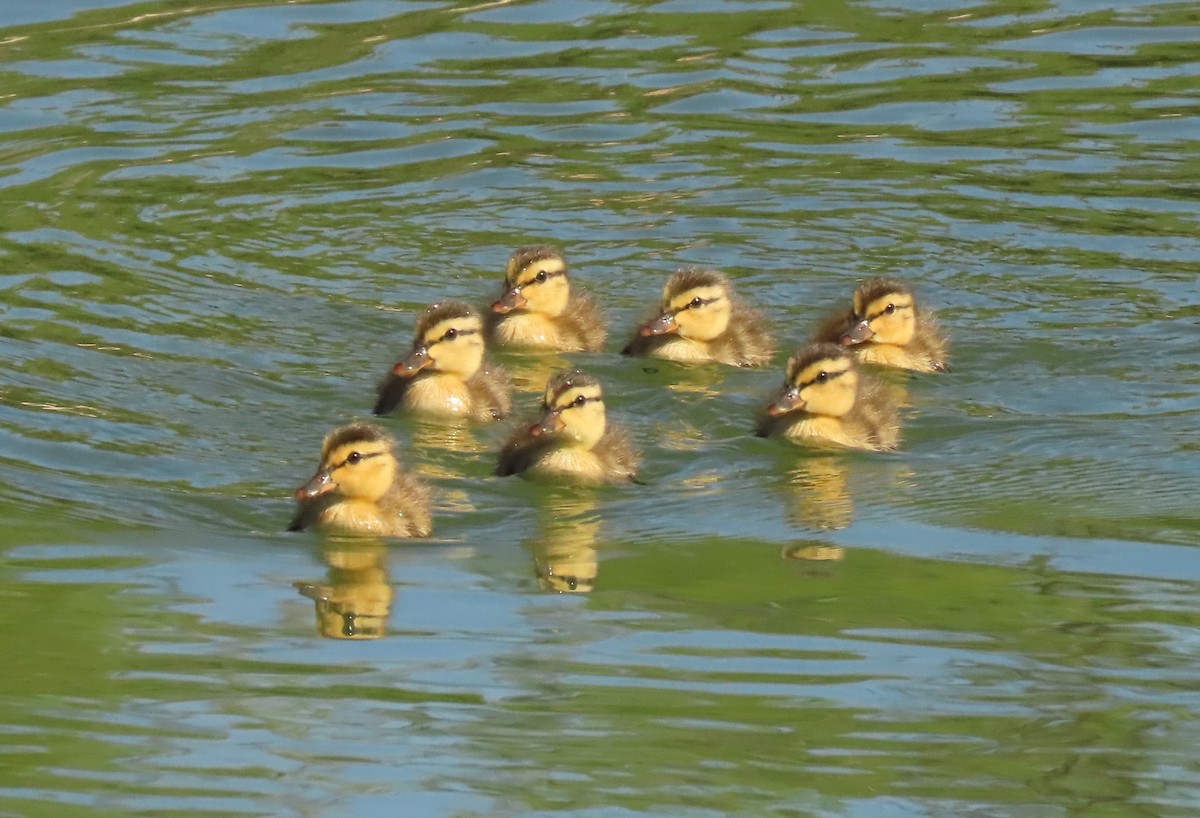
[
  {"x": 357, "y": 433},
  {"x": 444, "y": 311},
  {"x": 691, "y": 277}
]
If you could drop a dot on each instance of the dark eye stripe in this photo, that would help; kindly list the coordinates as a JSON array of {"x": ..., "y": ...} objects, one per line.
[
  {"x": 357, "y": 457},
  {"x": 830, "y": 374},
  {"x": 576, "y": 402},
  {"x": 898, "y": 307},
  {"x": 533, "y": 281},
  {"x": 458, "y": 333}
]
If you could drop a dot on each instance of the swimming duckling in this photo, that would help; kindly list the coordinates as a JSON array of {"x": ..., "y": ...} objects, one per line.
[
  {"x": 886, "y": 327},
  {"x": 445, "y": 374},
  {"x": 825, "y": 399},
  {"x": 539, "y": 310},
  {"x": 360, "y": 488},
  {"x": 572, "y": 439},
  {"x": 701, "y": 321}
]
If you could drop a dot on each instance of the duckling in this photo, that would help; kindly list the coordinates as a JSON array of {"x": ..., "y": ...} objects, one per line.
[
  {"x": 446, "y": 374},
  {"x": 539, "y": 310},
  {"x": 701, "y": 321},
  {"x": 572, "y": 439},
  {"x": 825, "y": 399},
  {"x": 360, "y": 488},
  {"x": 886, "y": 327}
]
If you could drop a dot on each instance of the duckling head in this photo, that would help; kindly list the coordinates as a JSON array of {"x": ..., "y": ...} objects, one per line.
[
  {"x": 536, "y": 281},
  {"x": 695, "y": 304},
  {"x": 822, "y": 379},
  {"x": 358, "y": 462},
  {"x": 573, "y": 409},
  {"x": 885, "y": 312},
  {"x": 449, "y": 339}
]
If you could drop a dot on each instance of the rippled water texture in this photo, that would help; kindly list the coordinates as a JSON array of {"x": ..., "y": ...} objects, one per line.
[{"x": 218, "y": 221}]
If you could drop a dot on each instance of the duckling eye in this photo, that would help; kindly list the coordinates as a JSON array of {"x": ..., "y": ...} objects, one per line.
[
  {"x": 579, "y": 401},
  {"x": 450, "y": 335},
  {"x": 353, "y": 458},
  {"x": 889, "y": 309},
  {"x": 541, "y": 276},
  {"x": 696, "y": 302},
  {"x": 821, "y": 377}
]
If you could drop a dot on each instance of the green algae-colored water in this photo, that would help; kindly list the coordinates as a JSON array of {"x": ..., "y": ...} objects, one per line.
[{"x": 219, "y": 219}]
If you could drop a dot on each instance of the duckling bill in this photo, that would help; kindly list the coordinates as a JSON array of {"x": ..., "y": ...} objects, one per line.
[
  {"x": 572, "y": 438},
  {"x": 360, "y": 488},
  {"x": 887, "y": 327},
  {"x": 446, "y": 373},
  {"x": 825, "y": 399},
  {"x": 700, "y": 320},
  {"x": 539, "y": 309}
]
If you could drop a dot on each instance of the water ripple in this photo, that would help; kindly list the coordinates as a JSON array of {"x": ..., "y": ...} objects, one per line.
[{"x": 221, "y": 220}]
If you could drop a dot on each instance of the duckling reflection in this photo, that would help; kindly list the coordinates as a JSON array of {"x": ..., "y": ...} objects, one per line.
[
  {"x": 818, "y": 495},
  {"x": 538, "y": 309},
  {"x": 531, "y": 371},
  {"x": 432, "y": 434},
  {"x": 814, "y": 558},
  {"x": 700, "y": 320},
  {"x": 886, "y": 326},
  {"x": 356, "y": 600},
  {"x": 566, "y": 557},
  {"x": 696, "y": 383},
  {"x": 446, "y": 373},
  {"x": 817, "y": 552}
]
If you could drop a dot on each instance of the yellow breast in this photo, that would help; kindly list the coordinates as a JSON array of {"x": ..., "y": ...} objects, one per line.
[
  {"x": 684, "y": 350},
  {"x": 528, "y": 329},
  {"x": 578, "y": 464},
  {"x": 894, "y": 356},
  {"x": 438, "y": 394},
  {"x": 825, "y": 430},
  {"x": 354, "y": 517}
]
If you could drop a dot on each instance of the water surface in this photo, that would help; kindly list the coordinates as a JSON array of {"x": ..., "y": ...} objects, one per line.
[{"x": 220, "y": 219}]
